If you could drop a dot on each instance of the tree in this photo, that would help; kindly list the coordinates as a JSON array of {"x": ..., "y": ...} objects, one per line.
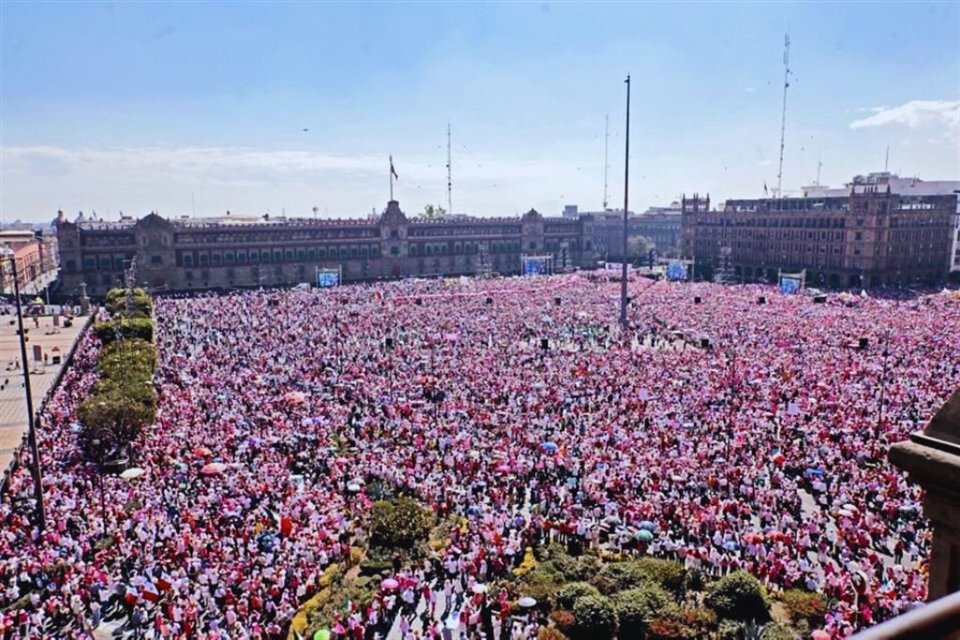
[
  {"x": 638, "y": 249},
  {"x": 400, "y": 524},
  {"x": 596, "y": 619},
  {"x": 433, "y": 212},
  {"x": 738, "y": 596},
  {"x": 635, "y": 607},
  {"x": 573, "y": 591}
]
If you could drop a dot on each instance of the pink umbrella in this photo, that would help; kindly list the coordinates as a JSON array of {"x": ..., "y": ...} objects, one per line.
[
  {"x": 389, "y": 584},
  {"x": 820, "y": 634},
  {"x": 213, "y": 469}
]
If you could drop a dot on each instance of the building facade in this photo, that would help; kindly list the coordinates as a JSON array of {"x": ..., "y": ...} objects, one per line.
[
  {"x": 660, "y": 225},
  {"x": 186, "y": 253},
  {"x": 869, "y": 237},
  {"x": 34, "y": 253}
]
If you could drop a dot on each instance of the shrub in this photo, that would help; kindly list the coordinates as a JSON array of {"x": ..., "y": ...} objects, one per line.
[
  {"x": 587, "y": 567},
  {"x": 549, "y": 633},
  {"x": 135, "y": 328},
  {"x": 116, "y": 302},
  {"x": 667, "y": 573},
  {"x": 804, "y": 606},
  {"x": 777, "y": 631},
  {"x": 620, "y": 576},
  {"x": 563, "y": 619},
  {"x": 595, "y": 618},
  {"x": 686, "y": 623},
  {"x": 738, "y": 596},
  {"x": 114, "y": 417},
  {"x": 638, "y": 605},
  {"x": 569, "y": 593},
  {"x": 540, "y": 585},
  {"x": 375, "y": 567},
  {"x": 400, "y": 524}
]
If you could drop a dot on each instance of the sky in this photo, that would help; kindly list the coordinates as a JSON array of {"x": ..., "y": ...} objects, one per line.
[{"x": 272, "y": 107}]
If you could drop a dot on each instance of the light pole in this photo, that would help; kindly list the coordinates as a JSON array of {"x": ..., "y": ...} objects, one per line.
[
  {"x": 626, "y": 189},
  {"x": 31, "y": 427},
  {"x": 96, "y": 443}
]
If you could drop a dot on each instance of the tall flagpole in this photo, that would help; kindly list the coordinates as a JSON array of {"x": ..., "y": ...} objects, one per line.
[
  {"x": 391, "y": 177},
  {"x": 626, "y": 189}
]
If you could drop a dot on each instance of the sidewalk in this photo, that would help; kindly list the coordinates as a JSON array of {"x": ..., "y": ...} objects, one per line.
[{"x": 13, "y": 405}]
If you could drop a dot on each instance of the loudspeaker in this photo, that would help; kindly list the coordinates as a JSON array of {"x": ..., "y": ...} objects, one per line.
[
  {"x": 762, "y": 300},
  {"x": 697, "y": 300},
  {"x": 489, "y": 300},
  {"x": 557, "y": 301},
  {"x": 419, "y": 302},
  {"x": 863, "y": 343},
  {"x": 704, "y": 343},
  {"x": 544, "y": 343},
  {"x": 819, "y": 299},
  {"x": 388, "y": 343}
]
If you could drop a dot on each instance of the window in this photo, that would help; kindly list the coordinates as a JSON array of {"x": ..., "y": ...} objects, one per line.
[
  {"x": 156, "y": 261},
  {"x": 216, "y": 259},
  {"x": 858, "y": 236},
  {"x": 204, "y": 259},
  {"x": 278, "y": 256},
  {"x": 71, "y": 265},
  {"x": 288, "y": 255},
  {"x": 89, "y": 264},
  {"x": 394, "y": 251}
]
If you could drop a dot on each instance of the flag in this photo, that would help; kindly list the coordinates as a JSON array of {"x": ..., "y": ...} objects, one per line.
[
  {"x": 393, "y": 171},
  {"x": 764, "y": 186}
]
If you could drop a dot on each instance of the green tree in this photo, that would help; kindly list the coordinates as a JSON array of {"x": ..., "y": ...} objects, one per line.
[
  {"x": 433, "y": 212},
  {"x": 638, "y": 605},
  {"x": 595, "y": 617},
  {"x": 738, "y": 596},
  {"x": 570, "y": 592},
  {"x": 400, "y": 524}
]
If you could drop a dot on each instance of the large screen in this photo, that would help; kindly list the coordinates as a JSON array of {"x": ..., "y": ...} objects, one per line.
[
  {"x": 328, "y": 278},
  {"x": 535, "y": 266},
  {"x": 677, "y": 271},
  {"x": 789, "y": 285}
]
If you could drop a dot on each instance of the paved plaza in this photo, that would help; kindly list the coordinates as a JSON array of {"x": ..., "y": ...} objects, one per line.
[{"x": 53, "y": 341}]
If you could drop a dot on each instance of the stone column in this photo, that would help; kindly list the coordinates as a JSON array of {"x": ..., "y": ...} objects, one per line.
[
  {"x": 84, "y": 300},
  {"x": 932, "y": 459}
]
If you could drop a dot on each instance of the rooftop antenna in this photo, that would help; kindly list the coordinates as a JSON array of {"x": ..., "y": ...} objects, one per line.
[
  {"x": 783, "y": 117},
  {"x": 606, "y": 159},
  {"x": 886, "y": 160},
  {"x": 819, "y": 166},
  {"x": 449, "y": 175},
  {"x": 193, "y": 205}
]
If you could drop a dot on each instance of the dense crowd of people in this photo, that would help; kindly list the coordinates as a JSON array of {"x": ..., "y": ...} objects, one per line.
[{"x": 737, "y": 434}]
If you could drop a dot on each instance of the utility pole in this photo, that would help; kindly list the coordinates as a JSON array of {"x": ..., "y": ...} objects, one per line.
[
  {"x": 783, "y": 117},
  {"x": 626, "y": 193},
  {"x": 31, "y": 426}
]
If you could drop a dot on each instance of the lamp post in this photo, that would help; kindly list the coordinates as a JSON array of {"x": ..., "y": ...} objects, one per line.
[
  {"x": 626, "y": 189},
  {"x": 31, "y": 426},
  {"x": 96, "y": 443}
]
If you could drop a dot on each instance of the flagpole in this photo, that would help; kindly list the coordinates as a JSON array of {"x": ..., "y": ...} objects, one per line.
[
  {"x": 626, "y": 189},
  {"x": 391, "y": 178}
]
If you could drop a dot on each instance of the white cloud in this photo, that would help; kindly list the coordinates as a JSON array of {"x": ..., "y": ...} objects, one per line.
[{"x": 915, "y": 114}]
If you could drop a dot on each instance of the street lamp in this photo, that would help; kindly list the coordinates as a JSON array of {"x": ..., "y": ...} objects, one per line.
[
  {"x": 31, "y": 427},
  {"x": 96, "y": 443}
]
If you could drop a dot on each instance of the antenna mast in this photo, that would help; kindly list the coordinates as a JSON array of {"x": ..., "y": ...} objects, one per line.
[
  {"x": 819, "y": 166},
  {"x": 783, "y": 117},
  {"x": 886, "y": 160},
  {"x": 449, "y": 176},
  {"x": 606, "y": 159}
]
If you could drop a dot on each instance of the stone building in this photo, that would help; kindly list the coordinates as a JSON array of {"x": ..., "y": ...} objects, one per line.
[
  {"x": 869, "y": 237},
  {"x": 188, "y": 253}
]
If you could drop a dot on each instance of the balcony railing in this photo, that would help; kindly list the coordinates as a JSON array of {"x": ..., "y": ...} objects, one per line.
[{"x": 939, "y": 620}]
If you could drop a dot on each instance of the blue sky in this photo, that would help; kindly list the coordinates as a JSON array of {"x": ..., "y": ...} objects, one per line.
[{"x": 201, "y": 106}]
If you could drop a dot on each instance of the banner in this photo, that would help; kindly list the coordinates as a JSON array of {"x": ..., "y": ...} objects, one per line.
[
  {"x": 790, "y": 286},
  {"x": 676, "y": 271}
]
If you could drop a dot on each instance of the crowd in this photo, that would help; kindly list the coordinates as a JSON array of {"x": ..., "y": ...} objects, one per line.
[{"x": 517, "y": 403}]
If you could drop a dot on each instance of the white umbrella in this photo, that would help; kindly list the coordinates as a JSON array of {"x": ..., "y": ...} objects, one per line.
[
  {"x": 479, "y": 588},
  {"x": 353, "y": 487},
  {"x": 132, "y": 473},
  {"x": 527, "y": 602}
]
